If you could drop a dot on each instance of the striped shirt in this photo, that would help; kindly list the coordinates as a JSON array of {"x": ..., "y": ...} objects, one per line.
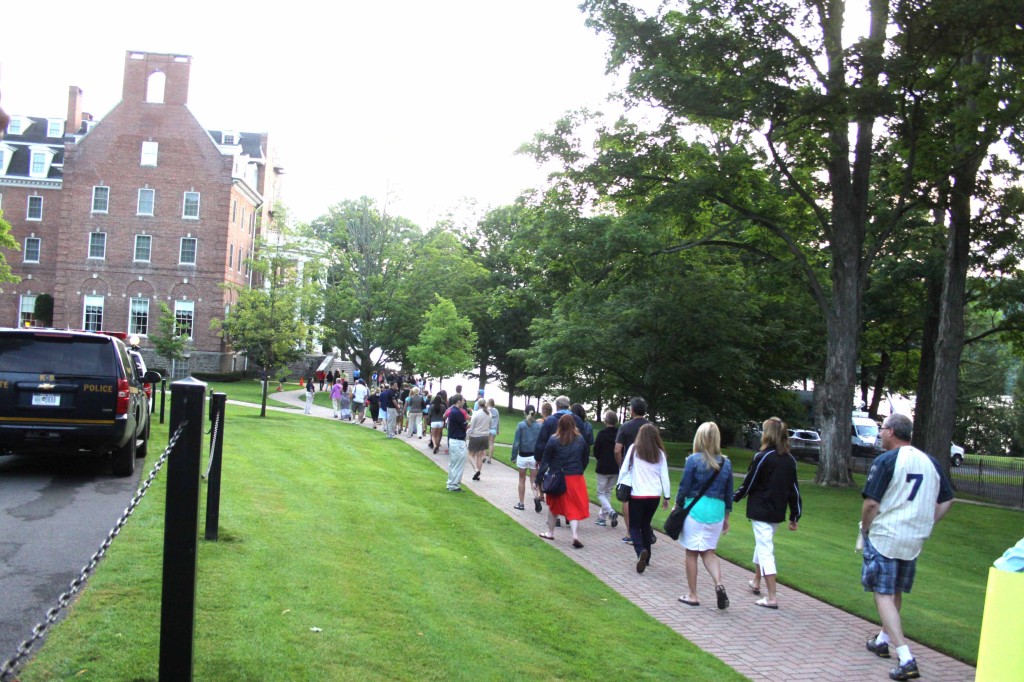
[{"x": 907, "y": 484}]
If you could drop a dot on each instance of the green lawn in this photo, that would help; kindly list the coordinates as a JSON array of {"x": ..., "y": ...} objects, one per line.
[{"x": 356, "y": 537}]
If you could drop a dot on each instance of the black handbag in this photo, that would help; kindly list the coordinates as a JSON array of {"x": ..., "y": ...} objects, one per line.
[
  {"x": 673, "y": 526},
  {"x": 624, "y": 490},
  {"x": 553, "y": 483}
]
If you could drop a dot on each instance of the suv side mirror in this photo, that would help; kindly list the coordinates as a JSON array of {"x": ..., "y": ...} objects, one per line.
[{"x": 152, "y": 377}]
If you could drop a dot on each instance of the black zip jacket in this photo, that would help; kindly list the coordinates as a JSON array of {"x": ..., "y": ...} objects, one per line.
[{"x": 770, "y": 486}]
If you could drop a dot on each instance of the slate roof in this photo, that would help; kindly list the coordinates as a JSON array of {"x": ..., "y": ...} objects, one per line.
[
  {"x": 249, "y": 142},
  {"x": 35, "y": 134}
]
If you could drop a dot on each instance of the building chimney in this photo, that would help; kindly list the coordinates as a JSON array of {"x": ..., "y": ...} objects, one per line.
[{"x": 74, "y": 121}]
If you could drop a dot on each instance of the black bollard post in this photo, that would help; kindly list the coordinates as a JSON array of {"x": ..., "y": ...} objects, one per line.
[
  {"x": 218, "y": 403},
  {"x": 163, "y": 394},
  {"x": 181, "y": 527}
]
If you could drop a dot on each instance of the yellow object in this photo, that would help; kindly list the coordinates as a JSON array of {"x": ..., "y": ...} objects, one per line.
[{"x": 1000, "y": 655}]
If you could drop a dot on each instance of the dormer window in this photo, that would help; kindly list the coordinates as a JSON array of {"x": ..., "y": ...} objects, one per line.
[
  {"x": 229, "y": 137},
  {"x": 14, "y": 127},
  {"x": 41, "y": 157},
  {"x": 54, "y": 128}
]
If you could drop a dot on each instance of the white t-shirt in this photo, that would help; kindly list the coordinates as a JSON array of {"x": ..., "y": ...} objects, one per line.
[{"x": 359, "y": 393}]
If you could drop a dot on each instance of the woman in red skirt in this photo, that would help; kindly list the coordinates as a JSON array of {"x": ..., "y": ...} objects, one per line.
[{"x": 564, "y": 452}]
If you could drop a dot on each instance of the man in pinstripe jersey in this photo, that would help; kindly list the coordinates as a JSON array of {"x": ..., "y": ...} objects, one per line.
[{"x": 905, "y": 494}]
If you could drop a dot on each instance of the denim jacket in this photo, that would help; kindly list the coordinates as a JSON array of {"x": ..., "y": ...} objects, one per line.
[
  {"x": 525, "y": 440},
  {"x": 697, "y": 473}
]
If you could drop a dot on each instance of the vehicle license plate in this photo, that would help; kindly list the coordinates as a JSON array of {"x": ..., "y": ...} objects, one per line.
[{"x": 46, "y": 399}]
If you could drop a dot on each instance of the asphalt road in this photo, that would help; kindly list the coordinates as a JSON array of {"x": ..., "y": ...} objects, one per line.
[{"x": 54, "y": 514}]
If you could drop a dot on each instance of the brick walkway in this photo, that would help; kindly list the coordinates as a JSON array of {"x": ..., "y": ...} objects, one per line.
[{"x": 805, "y": 639}]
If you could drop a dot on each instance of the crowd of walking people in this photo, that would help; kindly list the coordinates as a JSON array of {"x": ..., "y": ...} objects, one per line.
[
  {"x": 552, "y": 447},
  {"x": 557, "y": 443}
]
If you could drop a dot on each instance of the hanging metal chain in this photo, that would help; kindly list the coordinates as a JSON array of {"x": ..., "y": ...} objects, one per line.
[
  {"x": 213, "y": 444},
  {"x": 11, "y": 665}
]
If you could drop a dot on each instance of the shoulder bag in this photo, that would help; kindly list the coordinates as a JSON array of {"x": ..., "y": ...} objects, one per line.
[
  {"x": 674, "y": 522},
  {"x": 553, "y": 482}
]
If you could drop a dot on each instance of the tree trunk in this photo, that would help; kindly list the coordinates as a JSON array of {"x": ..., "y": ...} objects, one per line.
[
  {"x": 926, "y": 367},
  {"x": 838, "y": 391},
  {"x": 843, "y": 330},
  {"x": 881, "y": 376},
  {"x": 950, "y": 343}
]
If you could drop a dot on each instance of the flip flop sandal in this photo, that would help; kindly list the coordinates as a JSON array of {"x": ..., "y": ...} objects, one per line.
[
  {"x": 546, "y": 536},
  {"x": 763, "y": 603},
  {"x": 753, "y": 588},
  {"x": 688, "y": 602}
]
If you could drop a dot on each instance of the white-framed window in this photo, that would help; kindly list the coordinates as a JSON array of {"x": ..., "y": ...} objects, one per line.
[
  {"x": 147, "y": 200},
  {"x": 38, "y": 167},
  {"x": 138, "y": 316},
  {"x": 234, "y": 209},
  {"x": 143, "y": 248},
  {"x": 31, "y": 252},
  {"x": 35, "y": 208},
  {"x": 190, "y": 206},
  {"x": 149, "y": 152},
  {"x": 231, "y": 256},
  {"x": 187, "y": 253},
  {"x": 184, "y": 313},
  {"x": 92, "y": 314},
  {"x": 98, "y": 245},
  {"x": 55, "y": 128},
  {"x": 14, "y": 126},
  {"x": 100, "y": 199},
  {"x": 27, "y": 311}
]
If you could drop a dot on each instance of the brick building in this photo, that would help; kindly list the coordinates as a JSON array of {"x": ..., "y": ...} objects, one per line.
[{"x": 145, "y": 206}]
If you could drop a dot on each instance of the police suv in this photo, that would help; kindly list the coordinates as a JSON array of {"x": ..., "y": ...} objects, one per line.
[{"x": 67, "y": 391}]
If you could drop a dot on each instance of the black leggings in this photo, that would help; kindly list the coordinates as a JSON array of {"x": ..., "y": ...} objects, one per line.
[{"x": 641, "y": 511}]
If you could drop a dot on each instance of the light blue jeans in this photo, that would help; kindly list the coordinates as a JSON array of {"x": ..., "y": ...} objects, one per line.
[{"x": 456, "y": 462}]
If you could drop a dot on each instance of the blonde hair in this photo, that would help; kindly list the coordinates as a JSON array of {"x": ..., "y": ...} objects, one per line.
[
  {"x": 774, "y": 435},
  {"x": 414, "y": 391},
  {"x": 545, "y": 409},
  {"x": 708, "y": 442}
]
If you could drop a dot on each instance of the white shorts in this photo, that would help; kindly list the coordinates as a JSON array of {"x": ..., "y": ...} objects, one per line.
[
  {"x": 437, "y": 425},
  {"x": 700, "y": 537},
  {"x": 764, "y": 546},
  {"x": 526, "y": 462}
]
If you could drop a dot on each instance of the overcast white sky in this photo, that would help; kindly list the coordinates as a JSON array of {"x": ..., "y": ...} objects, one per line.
[{"x": 425, "y": 100}]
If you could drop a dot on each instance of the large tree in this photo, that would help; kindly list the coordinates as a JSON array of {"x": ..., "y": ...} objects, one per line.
[
  {"x": 776, "y": 83},
  {"x": 367, "y": 254}
]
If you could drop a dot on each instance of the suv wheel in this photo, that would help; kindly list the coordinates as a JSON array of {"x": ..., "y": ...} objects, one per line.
[
  {"x": 123, "y": 459},
  {"x": 958, "y": 459}
]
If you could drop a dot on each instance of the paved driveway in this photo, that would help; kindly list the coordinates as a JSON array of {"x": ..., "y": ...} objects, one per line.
[{"x": 54, "y": 513}]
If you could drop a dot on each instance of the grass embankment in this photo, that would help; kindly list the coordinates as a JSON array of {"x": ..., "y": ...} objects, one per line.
[{"x": 338, "y": 529}]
